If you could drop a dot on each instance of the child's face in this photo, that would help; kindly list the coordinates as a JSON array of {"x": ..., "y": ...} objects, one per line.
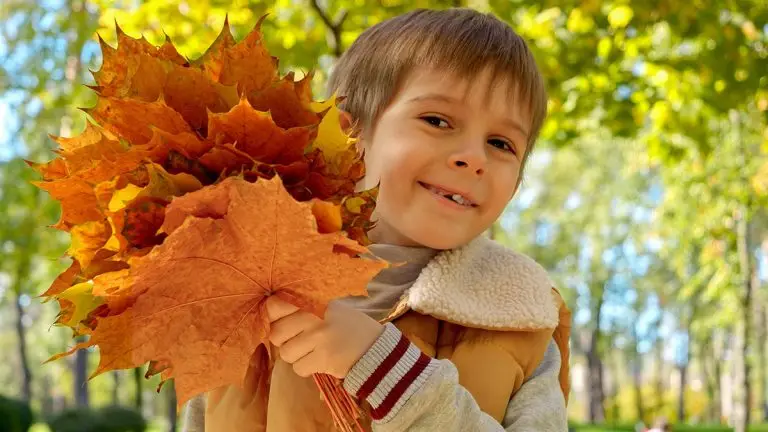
[{"x": 440, "y": 136}]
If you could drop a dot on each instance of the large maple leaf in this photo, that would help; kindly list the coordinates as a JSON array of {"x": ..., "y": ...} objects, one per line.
[{"x": 197, "y": 300}]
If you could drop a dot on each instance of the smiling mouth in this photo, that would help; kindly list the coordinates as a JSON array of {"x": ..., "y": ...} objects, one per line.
[{"x": 453, "y": 197}]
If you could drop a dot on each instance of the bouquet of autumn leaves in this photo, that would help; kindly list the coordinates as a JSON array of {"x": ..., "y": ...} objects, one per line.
[{"x": 202, "y": 188}]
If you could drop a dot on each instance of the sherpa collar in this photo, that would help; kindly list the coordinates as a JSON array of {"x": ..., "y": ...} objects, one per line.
[{"x": 484, "y": 285}]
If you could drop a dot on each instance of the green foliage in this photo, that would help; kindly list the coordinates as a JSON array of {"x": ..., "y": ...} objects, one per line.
[
  {"x": 15, "y": 415},
  {"x": 661, "y": 68},
  {"x": 107, "y": 419}
]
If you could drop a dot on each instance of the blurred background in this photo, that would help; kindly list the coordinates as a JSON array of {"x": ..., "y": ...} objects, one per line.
[{"x": 645, "y": 199}]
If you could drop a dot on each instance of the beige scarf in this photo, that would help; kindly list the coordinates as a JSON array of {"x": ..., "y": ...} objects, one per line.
[{"x": 386, "y": 289}]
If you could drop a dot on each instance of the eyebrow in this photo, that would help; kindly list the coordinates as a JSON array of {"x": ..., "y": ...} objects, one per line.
[
  {"x": 437, "y": 97},
  {"x": 433, "y": 97}
]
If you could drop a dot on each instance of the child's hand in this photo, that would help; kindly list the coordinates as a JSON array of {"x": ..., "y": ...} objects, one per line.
[{"x": 312, "y": 345}]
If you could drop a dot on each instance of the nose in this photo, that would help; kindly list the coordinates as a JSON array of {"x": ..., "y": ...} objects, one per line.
[{"x": 469, "y": 158}]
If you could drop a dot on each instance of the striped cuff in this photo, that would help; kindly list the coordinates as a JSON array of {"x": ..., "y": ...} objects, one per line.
[{"x": 389, "y": 373}]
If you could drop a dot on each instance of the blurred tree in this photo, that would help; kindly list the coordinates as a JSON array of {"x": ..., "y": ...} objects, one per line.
[
  {"x": 710, "y": 220},
  {"x": 25, "y": 253},
  {"x": 585, "y": 238}
]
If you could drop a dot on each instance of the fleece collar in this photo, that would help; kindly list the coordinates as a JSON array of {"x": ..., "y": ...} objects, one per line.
[{"x": 484, "y": 285}]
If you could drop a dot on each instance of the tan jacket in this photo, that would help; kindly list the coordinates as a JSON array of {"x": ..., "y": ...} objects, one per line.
[{"x": 490, "y": 312}]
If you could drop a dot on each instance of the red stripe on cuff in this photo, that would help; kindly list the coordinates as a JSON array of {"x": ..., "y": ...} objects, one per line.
[
  {"x": 399, "y": 389},
  {"x": 383, "y": 369}
]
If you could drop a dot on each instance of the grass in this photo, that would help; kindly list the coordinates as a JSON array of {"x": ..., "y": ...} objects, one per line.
[
  {"x": 676, "y": 428},
  {"x": 42, "y": 427}
]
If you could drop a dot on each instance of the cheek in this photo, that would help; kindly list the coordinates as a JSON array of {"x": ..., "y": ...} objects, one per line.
[
  {"x": 396, "y": 176},
  {"x": 504, "y": 187},
  {"x": 394, "y": 162}
]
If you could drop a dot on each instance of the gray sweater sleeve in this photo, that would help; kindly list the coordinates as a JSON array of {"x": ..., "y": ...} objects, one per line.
[
  {"x": 409, "y": 391},
  {"x": 430, "y": 396},
  {"x": 194, "y": 415},
  {"x": 539, "y": 405}
]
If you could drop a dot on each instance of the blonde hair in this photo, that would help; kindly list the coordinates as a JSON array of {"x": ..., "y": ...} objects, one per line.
[{"x": 460, "y": 41}]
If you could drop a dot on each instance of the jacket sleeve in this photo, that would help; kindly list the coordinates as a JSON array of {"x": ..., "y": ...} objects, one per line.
[{"x": 408, "y": 390}]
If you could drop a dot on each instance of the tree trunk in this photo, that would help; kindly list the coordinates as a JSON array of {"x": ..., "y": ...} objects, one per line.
[
  {"x": 637, "y": 378},
  {"x": 720, "y": 348},
  {"x": 762, "y": 342},
  {"x": 760, "y": 370},
  {"x": 681, "y": 417},
  {"x": 81, "y": 376},
  {"x": 709, "y": 364},
  {"x": 718, "y": 378},
  {"x": 596, "y": 394},
  {"x": 681, "y": 393},
  {"x": 615, "y": 389},
  {"x": 712, "y": 396},
  {"x": 742, "y": 387},
  {"x": 595, "y": 371},
  {"x": 46, "y": 402},
  {"x": 115, "y": 387},
  {"x": 21, "y": 334},
  {"x": 137, "y": 380},
  {"x": 660, "y": 386},
  {"x": 22, "y": 273},
  {"x": 719, "y": 391}
]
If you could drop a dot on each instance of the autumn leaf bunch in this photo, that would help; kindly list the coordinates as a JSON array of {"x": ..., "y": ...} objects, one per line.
[{"x": 199, "y": 188}]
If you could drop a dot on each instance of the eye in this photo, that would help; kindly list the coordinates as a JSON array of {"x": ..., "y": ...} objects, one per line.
[
  {"x": 436, "y": 121},
  {"x": 502, "y": 144}
]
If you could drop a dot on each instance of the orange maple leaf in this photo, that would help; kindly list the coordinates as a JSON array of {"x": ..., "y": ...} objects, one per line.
[
  {"x": 288, "y": 101},
  {"x": 92, "y": 135},
  {"x": 197, "y": 300},
  {"x": 192, "y": 94},
  {"x": 246, "y": 64},
  {"x": 76, "y": 274},
  {"x": 134, "y": 120},
  {"x": 132, "y": 58},
  {"x": 356, "y": 213},
  {"x": 77, "y": 200},
  {"x": 255, "y": 133}
]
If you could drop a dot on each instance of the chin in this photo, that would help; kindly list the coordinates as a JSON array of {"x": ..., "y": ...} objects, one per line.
[{"x": 440, "y": 239}]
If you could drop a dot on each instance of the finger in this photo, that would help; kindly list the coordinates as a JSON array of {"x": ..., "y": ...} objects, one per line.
[
  {"x": 307, "y": 365},
  {"x": 290, "y": 326},
  {"x": 298, "y": 347},
  {"x": 278, "y": 308}
]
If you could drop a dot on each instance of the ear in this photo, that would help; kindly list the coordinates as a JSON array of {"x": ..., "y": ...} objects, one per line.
[
  {"x": 351, "y": 126},
  {"x": 346, "y": 120}
]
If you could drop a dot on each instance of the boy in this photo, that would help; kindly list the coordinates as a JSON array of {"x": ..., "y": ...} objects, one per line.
[{"x": 467, "y": 336}]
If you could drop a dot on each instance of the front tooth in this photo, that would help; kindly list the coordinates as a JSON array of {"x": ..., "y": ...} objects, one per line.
[{"x": 460, "y": 199}]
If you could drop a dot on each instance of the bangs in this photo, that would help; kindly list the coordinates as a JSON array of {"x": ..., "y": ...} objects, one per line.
[{"x": 460, "y": 42}]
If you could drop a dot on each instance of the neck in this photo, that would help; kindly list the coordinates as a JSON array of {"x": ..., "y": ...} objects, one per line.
[
  {"x": 407, "y": 262},
  {"x": 383, "y": 233}
]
